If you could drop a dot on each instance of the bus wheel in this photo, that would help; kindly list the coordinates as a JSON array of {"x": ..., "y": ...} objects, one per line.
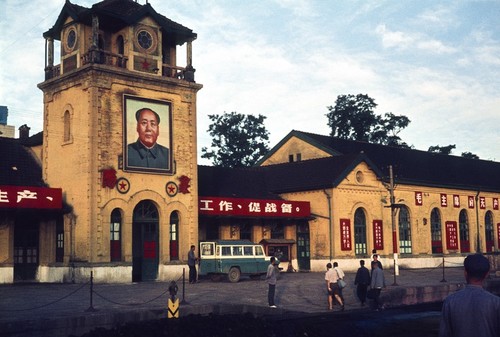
[{"x": 234, "y": 274}]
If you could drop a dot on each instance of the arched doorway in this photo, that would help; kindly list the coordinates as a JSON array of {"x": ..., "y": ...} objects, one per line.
[
  {"x": 436, "y": 235},
  {"x": 404, "y": 231},
  {"x": 360, "y": 247},
  {"x": 463, "y": 223},
  {"x": 145, "y": 242},
  {"x": 489, "y": 232}
]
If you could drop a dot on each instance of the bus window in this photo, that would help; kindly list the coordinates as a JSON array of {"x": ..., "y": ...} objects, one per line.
[
  {"x": 237, "y": 250},
  {"x": 259, "y": 251},
  {"x": 247, "y": 250},
  {"x": 226, "y": 251},
  {"x": 207, "y": 249}
]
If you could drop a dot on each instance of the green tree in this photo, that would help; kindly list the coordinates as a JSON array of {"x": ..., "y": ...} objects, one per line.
[
  {"x": 237, "y": 140},
  {"x": 470, "y": 155},
  {"x": 442, "y": 149},
  {"x": 353, "y": 117}
]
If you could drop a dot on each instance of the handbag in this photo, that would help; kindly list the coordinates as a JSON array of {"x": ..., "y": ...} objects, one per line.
[{"x": 341, "y": 283}]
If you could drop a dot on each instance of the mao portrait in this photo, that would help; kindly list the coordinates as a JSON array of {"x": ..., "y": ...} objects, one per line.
[{"x": 147, "y": 135}]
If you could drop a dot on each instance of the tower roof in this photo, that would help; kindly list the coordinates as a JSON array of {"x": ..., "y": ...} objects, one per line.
[{"x": 114, "y": 15}]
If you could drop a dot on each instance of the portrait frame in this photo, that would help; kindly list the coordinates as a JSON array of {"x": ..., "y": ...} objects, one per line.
[{"x": 131, "y": 104}]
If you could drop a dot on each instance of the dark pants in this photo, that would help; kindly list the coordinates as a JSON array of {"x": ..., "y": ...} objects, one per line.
[
  {"x": 270, "y": 294},
  {"x": 376, "y": 298},
  {"x": 192, "y": 274},
  {"x": 361, "y": 292}
]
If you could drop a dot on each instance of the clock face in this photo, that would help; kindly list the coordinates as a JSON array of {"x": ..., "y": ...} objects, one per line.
[
  {"x": 70, "y": 40},
  {"x": 144, "y": 39}
]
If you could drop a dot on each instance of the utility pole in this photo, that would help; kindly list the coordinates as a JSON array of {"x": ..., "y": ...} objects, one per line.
[{"x": 393, "y": 223}]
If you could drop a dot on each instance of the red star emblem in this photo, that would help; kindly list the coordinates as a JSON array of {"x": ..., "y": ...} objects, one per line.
[
  {"x": 122, "y": 185},
  {"x": 145, "y": 64},
  {"x": 171, "y": 188}
]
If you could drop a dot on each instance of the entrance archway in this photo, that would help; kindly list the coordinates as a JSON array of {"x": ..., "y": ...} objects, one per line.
[{"x": 145, "y": 243}]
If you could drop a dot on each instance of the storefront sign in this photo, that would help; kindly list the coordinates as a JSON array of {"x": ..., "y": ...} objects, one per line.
[
  {"x": 345, "y": 234},
  {"x": 254, "y": 207},
  {"x": 470, "y": 201},
  {"x": 444, "y": 200},
  {"x": 456, "y": 201},
  {"x": 378, "y": 235},
  {"x": 451, "y": 235},
  {"x": 495, "y": 204},
  {"x": 30, "y": 197}
]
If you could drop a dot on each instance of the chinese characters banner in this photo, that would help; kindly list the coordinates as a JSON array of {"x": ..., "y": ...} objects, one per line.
[
  {"x": 482, "y": 202},
  {"x": 451, "y": 235},
  {"x": 419, "y": 200},
  {"x": 444, "y": 200},
  {"x": 498, "y": 233},
  {"x": 495, "y": 204},
  {"x": 345, "y": 234},
  {"x": 30, "y": 197},
  {"x": 254, "y": 207},
  {"x": 456, "y": 201},
  {"x": 470, "y": 201},
  {"x": 378, "y": 237}
]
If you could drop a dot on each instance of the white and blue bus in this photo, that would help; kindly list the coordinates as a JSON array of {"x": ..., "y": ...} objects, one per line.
[{"x": 233, "y": 258}]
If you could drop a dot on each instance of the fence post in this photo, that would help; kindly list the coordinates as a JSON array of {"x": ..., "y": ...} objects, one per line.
[
  {"x": 184, "y": 286},
  {"x": 443, "y": 280},
  {"x": 91, "y": 307}
]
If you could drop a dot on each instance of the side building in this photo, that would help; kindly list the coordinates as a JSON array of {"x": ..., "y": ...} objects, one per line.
[{"x": 431, "y": 206}]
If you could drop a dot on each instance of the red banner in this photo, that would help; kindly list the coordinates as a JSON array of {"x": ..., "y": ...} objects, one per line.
[
  {"x": 378, "y": 235},
  {"x": 419, "y": 199},
  {"x": 30, "y": 197},
  {"x": 451, "y": 235},
  {"x": 345, "y": 234},
  {"x": 254, "y": 207}
]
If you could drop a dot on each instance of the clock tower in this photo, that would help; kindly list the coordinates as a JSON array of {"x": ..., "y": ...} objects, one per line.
[{"x": 119, "y": 138}]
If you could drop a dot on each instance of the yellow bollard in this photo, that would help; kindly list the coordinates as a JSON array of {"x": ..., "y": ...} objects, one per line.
[{"x": 173, "y": 308}]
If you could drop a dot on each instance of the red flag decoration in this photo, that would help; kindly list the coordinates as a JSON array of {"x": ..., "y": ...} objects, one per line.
[{"x": 109, "y": 178}]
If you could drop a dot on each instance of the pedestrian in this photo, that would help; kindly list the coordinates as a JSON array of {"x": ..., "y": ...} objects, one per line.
[
  {"x": 331, "y": 278},
  {"x": 375, "y": 258},
  {"x": 341, "y": 276},
  {"x": 376, "y": 284},
  {"x": 192, "y": 259},
  {"x": 472, "y": 311},
  {"x": 362, "y": 281},
  {"x": 271, "y": 278}
]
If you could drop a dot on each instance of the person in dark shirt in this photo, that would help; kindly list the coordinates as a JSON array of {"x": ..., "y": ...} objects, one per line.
[
  {"x": 472, "y": 311},
  {"x": 146, "y": 152},
  {"x": 362, "y": 281}
]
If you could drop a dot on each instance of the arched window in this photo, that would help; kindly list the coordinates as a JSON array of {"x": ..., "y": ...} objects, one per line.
[
  {"x": 360, "y": 247},
  {"x": 115, "y": 237},
  {"x": 463, "y": 223},
  {"x": 488, "y": 228},
  {"x": 174, "y": 235},
  {"x": 67, "y": 126},
  {"x": 404, "y": 230},
  {"x": 436, "y": 236}
]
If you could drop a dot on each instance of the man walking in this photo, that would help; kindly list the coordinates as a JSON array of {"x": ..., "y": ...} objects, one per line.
[
  {"x": 192, "y": 265},
  {"x": 362, "y": 281},
  {"x": 377, "y": 283},
  {"x": 271, "y": 278},
  {"x": 472, "y": 311}
]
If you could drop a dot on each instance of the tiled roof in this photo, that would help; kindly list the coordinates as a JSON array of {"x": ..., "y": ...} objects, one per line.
[
  {"x": 267, "y": 182},
  {"x": 18, "y": 166},
  {"x": 414, "y": 166},
  {"x": 116, "y": 14}
]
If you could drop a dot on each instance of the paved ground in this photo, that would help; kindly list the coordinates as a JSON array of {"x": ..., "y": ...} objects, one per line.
[{"x": 64, "y": 309}]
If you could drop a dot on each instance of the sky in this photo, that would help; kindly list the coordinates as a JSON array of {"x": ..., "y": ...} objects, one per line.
[{"x": 436, "y": 62}]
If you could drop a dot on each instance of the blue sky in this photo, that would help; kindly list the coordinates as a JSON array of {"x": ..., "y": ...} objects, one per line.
[{"x": 436, "y": 62}]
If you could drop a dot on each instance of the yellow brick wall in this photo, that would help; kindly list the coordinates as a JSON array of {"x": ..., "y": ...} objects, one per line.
[{"x": 95, "y": 102}]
